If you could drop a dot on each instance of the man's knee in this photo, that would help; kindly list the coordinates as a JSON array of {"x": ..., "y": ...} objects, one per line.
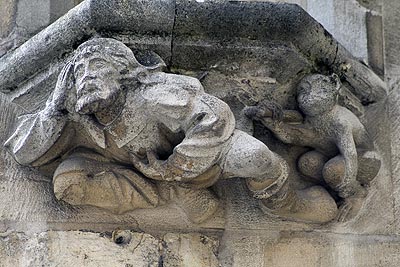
[
  {"x": 69, "y": 187},
  {"x": 72, "y": 176},
  {"x": 250, "y": 158},
  {"x": 69, "y": 181}
]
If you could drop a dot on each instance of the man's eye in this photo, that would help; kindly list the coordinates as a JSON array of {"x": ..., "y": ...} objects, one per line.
[{"x": 100, "y": 65}]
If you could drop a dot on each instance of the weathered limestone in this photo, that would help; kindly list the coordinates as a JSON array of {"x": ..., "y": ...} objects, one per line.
[
  {"x": 7, "y": 16},
  {"x": 136, "y": 113},
  {"x": 76, "y": 248},
  {"x": 392, "y": 72}
]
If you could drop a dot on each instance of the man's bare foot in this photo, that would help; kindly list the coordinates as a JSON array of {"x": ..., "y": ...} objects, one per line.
[{"x": 313, "y": 205}]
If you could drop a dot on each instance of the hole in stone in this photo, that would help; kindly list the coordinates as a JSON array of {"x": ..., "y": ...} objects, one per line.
[{"x": 119, "y": 240}]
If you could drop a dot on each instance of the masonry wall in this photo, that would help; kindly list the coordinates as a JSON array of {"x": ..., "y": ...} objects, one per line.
[{"x": 370, "y": 30}]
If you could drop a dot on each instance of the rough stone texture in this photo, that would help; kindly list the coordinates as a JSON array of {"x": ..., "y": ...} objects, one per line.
[
  {"x": 345, "y": 20},
  {"x": 392, "y": 34},
  {"x": 189, "y": 250},
  {"x": 375, "y": 42},
  {"x": 332, "y": 250},
  {"x": 238, "y": 248},
  {"x": 60, "y": 7},
  {"x": 32, "y": 15},
  {"x": 77, "y": 248},
  {"x": 375, "y": 5},
  {"x": 233, "y": 71},
  {"x": 268, "y": 248},
  {"x": 7, "y": 13},
  {"x": 20, "y": 20},
  {"x": 356, "y": 24},
  {"x": 392, "y": 74}
]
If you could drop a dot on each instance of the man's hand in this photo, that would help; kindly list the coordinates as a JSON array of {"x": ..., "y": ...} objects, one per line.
[
  {"x": 265, "y": 110},
  {"x": 155, "y": 169},
  {"x": 269, "y": 112}
]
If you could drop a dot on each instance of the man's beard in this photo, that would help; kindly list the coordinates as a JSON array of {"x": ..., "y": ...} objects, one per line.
[{"x": 95, "y": 99}]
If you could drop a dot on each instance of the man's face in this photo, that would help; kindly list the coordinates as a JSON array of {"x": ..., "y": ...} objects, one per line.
[{"x": 97, "y": 84}]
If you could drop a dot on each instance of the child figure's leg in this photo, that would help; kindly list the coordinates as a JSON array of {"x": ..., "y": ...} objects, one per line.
[{"x": 369, "y": 164}]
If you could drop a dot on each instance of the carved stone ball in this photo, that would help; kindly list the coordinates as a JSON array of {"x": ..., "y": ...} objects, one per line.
[
  {"x": 333, "y": 171},
  {"x": 311, "y": 164}
]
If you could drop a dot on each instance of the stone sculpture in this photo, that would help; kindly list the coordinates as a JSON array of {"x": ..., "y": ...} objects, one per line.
[
  {"x": 119, "y": 136},
  {"x": 343, "y": 155}
]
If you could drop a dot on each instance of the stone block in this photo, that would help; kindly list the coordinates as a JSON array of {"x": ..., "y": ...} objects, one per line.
[
  {"x": 79, "y": 248},
  {"x": 188, "y": 250},
  {"x": 282, "y": 249},
  {"x": 391, "y": 20},
  {"x": 32, "y": 16},
  {"x": 345, "y": 20},
  {"x": 375, "y": 42},
  {"x": 7, "y": 17}
]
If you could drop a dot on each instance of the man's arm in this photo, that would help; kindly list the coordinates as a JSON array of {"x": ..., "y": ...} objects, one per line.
[
  {"x": 35, "y": 134},
  {"x": 208, "y": 127},
  {"x": 287, "y": 125}
]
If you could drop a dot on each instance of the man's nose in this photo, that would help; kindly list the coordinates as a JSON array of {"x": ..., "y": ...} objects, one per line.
[{"x": 89, "y": 74}]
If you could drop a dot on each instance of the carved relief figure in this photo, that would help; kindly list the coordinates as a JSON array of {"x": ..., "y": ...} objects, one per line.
[
  {"x": 342, "y": 156},
  {"x": 117, "y": 135}
]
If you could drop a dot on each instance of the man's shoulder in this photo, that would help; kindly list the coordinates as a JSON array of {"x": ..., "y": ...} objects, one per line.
[
  {"x": 183, "y": 82},
  {"x": 171, "y": 89}
]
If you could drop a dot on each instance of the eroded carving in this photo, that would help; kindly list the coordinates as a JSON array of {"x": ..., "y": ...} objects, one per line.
[
  {"x": 120, "y": 136},
  {"x": 343, "y": 156}
]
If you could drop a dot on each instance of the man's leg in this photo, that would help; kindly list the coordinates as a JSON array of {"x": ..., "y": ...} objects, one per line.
[
  {"x": 199, "y": 204},
  {"x": 266, "y": 175},
  {"x": 88, "y": 179}
]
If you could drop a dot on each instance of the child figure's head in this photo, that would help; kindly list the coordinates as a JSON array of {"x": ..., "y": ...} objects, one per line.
[{"x": 317, "y": 94}]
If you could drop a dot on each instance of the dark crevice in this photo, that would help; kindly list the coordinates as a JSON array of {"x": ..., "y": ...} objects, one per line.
[
  {"x": 367, "y": 102},
  {"x": 336, "y": 53},
  {"x": 162, "y": 254}
]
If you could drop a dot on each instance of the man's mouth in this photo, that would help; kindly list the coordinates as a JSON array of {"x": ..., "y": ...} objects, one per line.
[{"x": 87, "y": 88}]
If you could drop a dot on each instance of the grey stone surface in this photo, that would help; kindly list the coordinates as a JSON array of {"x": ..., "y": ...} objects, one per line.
[
  {"x": 60, "y": 7},
  {"x": 391, "y": 35},
  {"x": 32, "y": 16},
  {"x": 216, "y": 42},
  {"x": 78, "y": 248},
  {"x": 188, "y": 250},
  {"x": 189, "y": 28},
  {"x": 7, "y": 17},
  {"x": 392, "y": 74},
  {"x": 316, "y": 45},
  {"x": 345, "y": 20},
  {"x": 375, "y": 42},
  {"x": 375, "y": 5},
  {"x": 256, "y": 249}
]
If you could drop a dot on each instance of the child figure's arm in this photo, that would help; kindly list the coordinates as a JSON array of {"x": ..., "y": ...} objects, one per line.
[
  {"x": 346, "y": 145},
  {"x": 287, "y": 125}
]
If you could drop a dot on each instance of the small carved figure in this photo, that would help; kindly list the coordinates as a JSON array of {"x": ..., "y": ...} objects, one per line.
[
  {"x": 122, "y": 136},
  {"x": 343, "y": 155}
]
